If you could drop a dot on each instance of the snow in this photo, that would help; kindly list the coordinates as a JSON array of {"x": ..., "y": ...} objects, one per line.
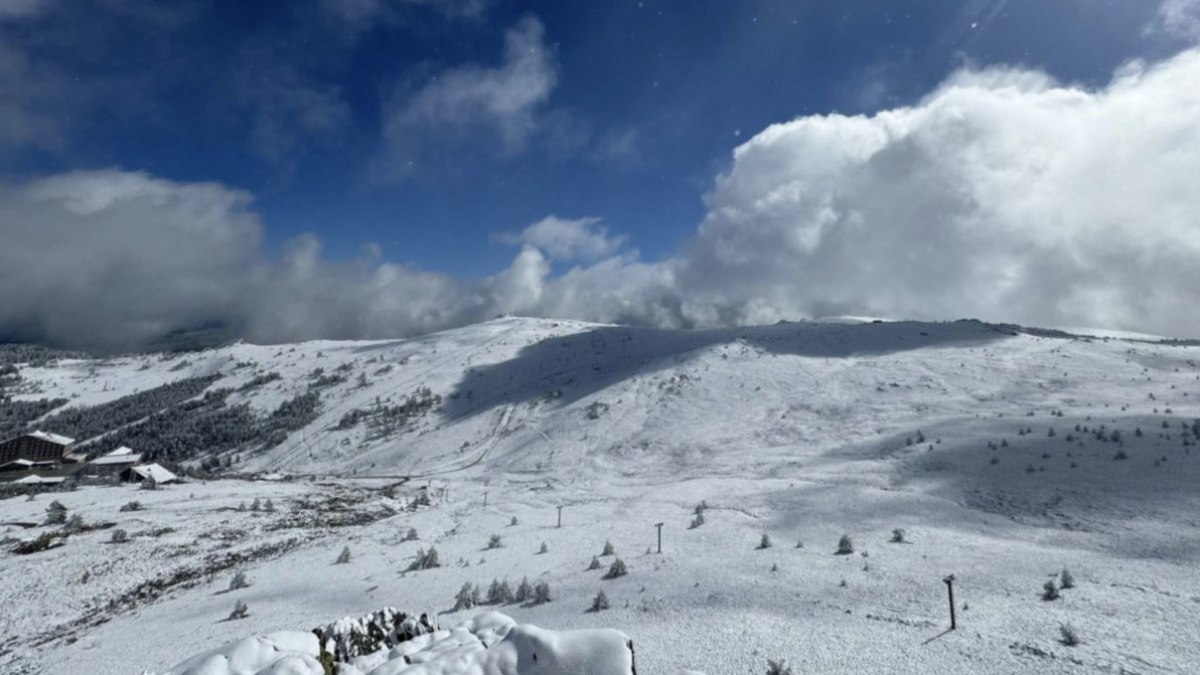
[
  {"x": 488, "y": 644},
  {"x": 36, "y": 479},
  {"x": 121, "y": 455},
  {"x": 57, "y": 439},
  {"x": 801, "y": 431},
  {"x": 158, "y": 472}
]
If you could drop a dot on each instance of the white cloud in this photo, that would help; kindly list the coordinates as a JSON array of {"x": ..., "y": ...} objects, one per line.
[
  {"x": 1002, "y": 195},
  {"x": 568, "y": 240},
  {"x": 470, "y": 102},
  {"x": 1180, "y": 18}
]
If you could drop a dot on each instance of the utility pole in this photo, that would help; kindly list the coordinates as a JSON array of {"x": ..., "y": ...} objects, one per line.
[
  {"x": 560, "y": 516},
  {"x": 659, "y": 526},
  {"x": 485, "y": 498},
  {"x": 949, "y": 581}
]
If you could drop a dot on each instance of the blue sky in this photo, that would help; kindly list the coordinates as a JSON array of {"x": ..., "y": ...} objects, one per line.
[
  {"x": 648, "y": 101},
  {"x": 441, "y": 129}
]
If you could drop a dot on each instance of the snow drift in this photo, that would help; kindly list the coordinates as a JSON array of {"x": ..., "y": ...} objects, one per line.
[{"x": 489, "y": 644}]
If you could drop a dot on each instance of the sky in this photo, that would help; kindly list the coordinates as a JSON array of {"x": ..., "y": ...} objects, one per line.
[{"x": 384, "y": 168}]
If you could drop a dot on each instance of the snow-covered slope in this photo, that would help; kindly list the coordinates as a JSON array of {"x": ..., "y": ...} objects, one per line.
[{"x": 1005, "y": 455}]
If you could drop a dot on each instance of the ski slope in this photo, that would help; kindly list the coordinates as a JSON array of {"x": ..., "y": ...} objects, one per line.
[{"x": 801, "y": 431}]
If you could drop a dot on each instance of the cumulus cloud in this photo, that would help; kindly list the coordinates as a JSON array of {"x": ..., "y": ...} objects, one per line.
[
  {"x": 567, "y": 240},
  {"x": 1180, "y": 18},
  {"x": 471, "y": 102},
  {"x": 1002, "y": 195}
]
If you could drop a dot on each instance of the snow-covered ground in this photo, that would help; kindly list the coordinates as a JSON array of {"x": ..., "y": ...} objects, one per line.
[{"x": 803, "y": 432}]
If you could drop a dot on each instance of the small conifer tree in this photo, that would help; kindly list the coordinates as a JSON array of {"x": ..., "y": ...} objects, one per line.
[
  {"x": 1066, "y": 579},
  {"x": 845, "y": 545},
  {"x": 600, "y": 602},
  {"x": 240, "y": 611},
  {"x": 467, "y": 598},
  {"x": 524, "y": 591},
  {"x": 616, "y": 569}
]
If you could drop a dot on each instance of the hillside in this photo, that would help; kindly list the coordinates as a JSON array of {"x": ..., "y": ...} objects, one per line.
[{"x": 1006, "y": 455}]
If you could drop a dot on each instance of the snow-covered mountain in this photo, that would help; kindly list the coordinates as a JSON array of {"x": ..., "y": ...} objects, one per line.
[{"x": 1005, "y": 455}]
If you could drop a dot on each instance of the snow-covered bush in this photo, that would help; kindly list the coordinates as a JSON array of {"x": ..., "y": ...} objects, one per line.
[
  {"x": 238, "y": 581},
  {"x": 74, "y": 525},
  {"x": 240, "y": 611},
  {"x": 494, "y": 542},
  {"x": 845, "y": 546},
  {"x": 897, "y": 536},
  {"x": 344, "y": 640},
  {"x": 616, "y": 569},
  {"x": 149, "y": 483},
  {"x": 1069, "y": 637},
  {"x": 424, "y": 560},
  {"x": 131, "y": 506},
  {"x": 467, "y": 598},
  {"x": 119, "y": 537},
  {"x": 344, "y": 556},
  {"x": 608, "y": 549},
  {"x": 411, "y": 535},
  {"x": 600, "y": 602},
  {"x": 56, "y": 513},
  {"x": 1049, "y": 591},
  {"x": 489, "y": 644},
  {"x": 779, "y": 667},
  {"x": 1067, "y": 579},
  {"x": 543, "y": 549},
  {"x": 42, "y": 542},
  {"x": 595, "y": 564},
  {"x": 268, "y": 505},
  {"x": 513, "y": 522},
  {"x": 765, "y": 542},
  {"x": 255, "y": 505},
  {"x": 697, "y": 521}
]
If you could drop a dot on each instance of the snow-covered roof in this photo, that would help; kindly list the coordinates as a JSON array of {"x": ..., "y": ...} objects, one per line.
[
  {"x": 160, "y": 474},
  {"x": 34, "y": 478},
  {"x": 53, "y": 438},
  {"x": 110, "y": 458},
  {"x": 26, "y": 463},
  {"x": 122, "y": 450}
]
